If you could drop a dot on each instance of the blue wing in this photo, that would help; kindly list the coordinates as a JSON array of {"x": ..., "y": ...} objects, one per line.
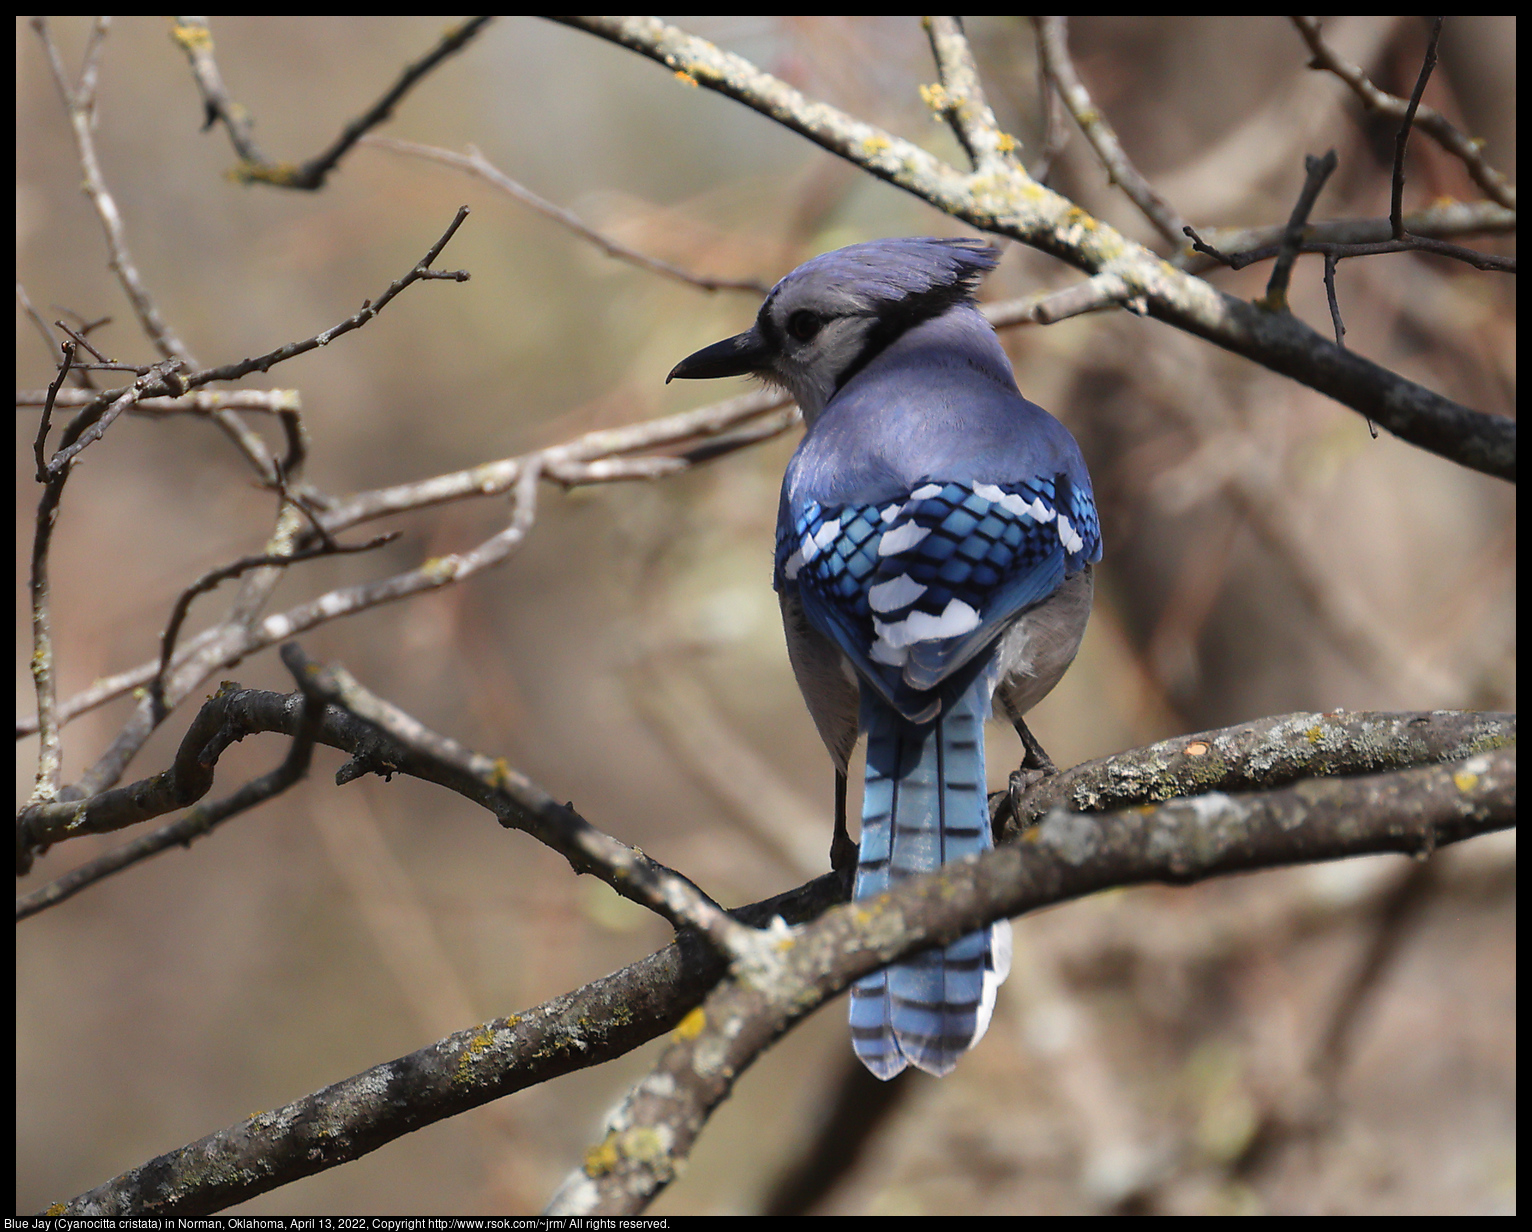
[{"x": 914, "y": 590}]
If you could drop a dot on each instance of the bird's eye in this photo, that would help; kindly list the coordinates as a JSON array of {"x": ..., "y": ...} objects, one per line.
[{"x": 803, "y": 324}]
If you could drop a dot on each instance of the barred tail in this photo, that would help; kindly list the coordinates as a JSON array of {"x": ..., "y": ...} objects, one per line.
[{"x": 923, "y": 805}]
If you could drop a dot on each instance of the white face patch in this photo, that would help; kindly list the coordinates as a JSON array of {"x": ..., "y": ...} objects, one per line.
[
  {"x": 927, "y": 492},
  {"x": 889, "y": 514},
  {"x": 902, "y": 538},
  {"x": 892, "y": 595}
]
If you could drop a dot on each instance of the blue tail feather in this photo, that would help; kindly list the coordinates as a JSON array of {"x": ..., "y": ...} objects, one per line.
[{"x": 924, "y": 804}]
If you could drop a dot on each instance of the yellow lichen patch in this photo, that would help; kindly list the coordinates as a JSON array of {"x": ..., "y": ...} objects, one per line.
[
  {"x": 1465, "y": 780},
  {"x": 603, "y": 1157},
  {"x": 874, "y": 145},
  {"x": 1006, "y": 143},
  {"x": 477, "y": 1047},
  {"x": 193, "y": 38},
  {"x": 685, "y": 78},
  {"x": 935, "y": 97},
  {"x": 440, "y": 569},
  {"x": 690, "y": 1027},
  {"x": 280, "y": 174}
]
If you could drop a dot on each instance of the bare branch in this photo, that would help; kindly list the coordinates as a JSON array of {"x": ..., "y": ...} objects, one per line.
[
  {"x": 1009, "y": 202},
  {"x": 213, "y": 577},
  {"x": 50, "y": 757},
  {"x": 960, "y": 97},
  {"x": 682, "y": 440},
  {"x": 1239, "y": 246},
  {"x": 1427, "y": 119},
  {"x": 1413, "y": 811},
  {"x": 196, "y": 40},
  {"x": 588, "y": 850},
  {"x": 1069, "y": 855},
  {"x": 1396, "y": 199},
  {"x": 80, "y": 105},
  {"x": 203, "y": 402},
  {"x": 1316, "y": 172},
  {"x": 474, "y": 163},
  {"x": 1059, "y": 68}
]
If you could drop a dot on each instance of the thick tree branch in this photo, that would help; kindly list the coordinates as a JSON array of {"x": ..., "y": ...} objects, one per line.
[
  {"x": 1007, "y": 201},
  {"x": 1067, "y": 856}
]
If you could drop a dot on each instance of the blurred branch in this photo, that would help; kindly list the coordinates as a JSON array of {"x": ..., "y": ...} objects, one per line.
[
  {"x": 1059, "y": 70},
  {"x": 1315, "y": 172},
  {"x": 1402, "y": 142},
  {"x": 80, "y": 105},
  {"x": 1427, "y": 119},
  {"x": 676, "y": 441},
  {"x": 1007, "y": 201},
  {"x": 213, "y": 577},
  {"x": 196, "y": 39},
  {"x": 203, "y": 402},
  {"x": 474, "y": 163}
]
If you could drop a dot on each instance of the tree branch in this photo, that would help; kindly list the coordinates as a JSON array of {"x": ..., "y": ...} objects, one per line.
[
  {"x": 1007, "y": 201},
  {"x": 1412, "y": 811}
]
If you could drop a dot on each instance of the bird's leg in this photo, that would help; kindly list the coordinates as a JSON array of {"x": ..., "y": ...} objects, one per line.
[
  {"x": 842, "y": 849},
  {"x": 1036, "y": 766},
  {"x": 1036, "y": 758}
]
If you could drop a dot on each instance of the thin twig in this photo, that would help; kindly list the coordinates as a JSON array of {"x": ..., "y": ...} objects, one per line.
[
  {"x": 50, "y": 400},
  {"x": 1316, "y": 172},
  {"x": 202, "y": 402},
  {"x": 80, "y": 105},
  {"x": 37, "y": 319},
  {"x": 626, "y": 869},
  {"x": 196, "y": 39},
  {"x": 1058, "y": 67},
  {"x": 211, "y": 579},
  {"x": 1401, "y": 143},
  {"x": 1430, "y": 121},
  {"x": 50, "y": 757},
  {"x": 474, "y": 163}
]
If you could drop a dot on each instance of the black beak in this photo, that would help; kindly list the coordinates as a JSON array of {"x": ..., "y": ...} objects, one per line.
[{"x": 737, "y": 356}]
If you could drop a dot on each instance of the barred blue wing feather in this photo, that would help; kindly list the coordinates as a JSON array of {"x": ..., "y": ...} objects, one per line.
[{"x": 912, "y": 590}]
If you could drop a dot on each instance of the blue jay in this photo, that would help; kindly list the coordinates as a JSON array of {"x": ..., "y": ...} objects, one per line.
[{"x": 934, "y": 547}]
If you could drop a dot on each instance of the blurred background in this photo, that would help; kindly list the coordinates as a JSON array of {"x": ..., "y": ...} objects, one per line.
[{"x": 1156, "y": 1049}]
